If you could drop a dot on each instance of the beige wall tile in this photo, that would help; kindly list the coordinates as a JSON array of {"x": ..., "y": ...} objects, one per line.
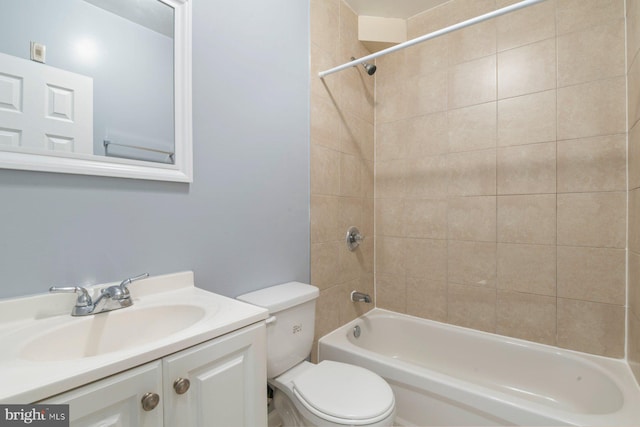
[
  {"x": 472, "y": 218},
  {"x": 426, "y": 177},
  {"x": 350, "y": 212},
  {"x": 526, "y": 316},
  {"x": 527, "y": 219},
  {"x": 591, "y": 327},
  {"x": 356, "y": 136},
  {"x": 527, "y": 69},
  {"x": 592, "y": 164},
  {"x": 391, "y": 292},
  {"x": 414, "y": 137},
  {"x": 324, "y": 23},
  {"x": 367, "y": 179},
  {"x": 633, "y": 100},
  {"x": 427, "y": 298},
  {"x": 391, "y": 140},
  {"x": 592, "y": 274},
  {"x": 426, "y": 258},
  {"x": 471, "y": 307},
  {"x": 357, "y": 93},
  {"x": 592, "y": 219},
  {"x": 527, "y": 169},
  {"x": 431, "y": 20},
  {"x": 388, "y": 219},
  {"x": 327, "y": 311},
  {"x": 472, "y": 173},
  {"x": 472, "y": 263},
  {"x": 634, "y": 283},
  {"x": 634, "y": 220},
  {"x": 472, "y": 82},
  {"x": 325, "y": 123},
  {"x": 592, "y": 109},
  {"x": 472, "y": 42},
  {"x": 526, "y": 26},
  {"x": 527, "y": 268},
  {"x": 592, "y": 54},
  {"x": 324, "y": 264},
  {"x": 634, "y": 157},
  {"x": 633, "y": 356},
  {"x": 324, "y": 218},
  {"x": 425, "y": 218},
  {"x": 427, "y": 135},
  {"x": 527, "y": 119},
  {"x": 428, "y": 56},
  {"x": 352, "y": 264},
  {"x": 472, "y": 128},
  {"x": 388, "y": 91},
  {"x": 325, "y": 170},
  {"x": 426, "y": 93},
  {"x": 575, "y": 15},
  {"x": 633, "y": 29},
  {"x": 328, "y": 89},
  {"x": 390, "y": 178},
  {"x": 390, "y": 255},
  {"x": 350, "y": 175}
]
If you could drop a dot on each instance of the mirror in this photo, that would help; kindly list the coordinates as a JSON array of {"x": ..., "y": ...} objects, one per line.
[{"x": 97, "y": 87}]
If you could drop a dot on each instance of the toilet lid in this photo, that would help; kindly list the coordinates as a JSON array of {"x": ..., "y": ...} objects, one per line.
[{"x": 344, "y": 393}]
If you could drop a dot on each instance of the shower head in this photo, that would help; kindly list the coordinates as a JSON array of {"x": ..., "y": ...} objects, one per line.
[{"x": 369, "y": 68}]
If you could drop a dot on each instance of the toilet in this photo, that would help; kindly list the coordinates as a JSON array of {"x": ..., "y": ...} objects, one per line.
[{"x": 306, "y": 394}]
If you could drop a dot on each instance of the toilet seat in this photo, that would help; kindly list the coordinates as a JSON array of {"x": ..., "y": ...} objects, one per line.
[{"x": 344, "y": 394}]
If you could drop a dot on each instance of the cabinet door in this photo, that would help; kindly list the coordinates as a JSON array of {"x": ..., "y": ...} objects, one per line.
[
  {"x": 227, "y": 378},
  {"x": 116, "y": 400}
]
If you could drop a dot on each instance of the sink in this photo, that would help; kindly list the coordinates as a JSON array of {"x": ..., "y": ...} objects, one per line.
[{"x": 96, "y": 335}]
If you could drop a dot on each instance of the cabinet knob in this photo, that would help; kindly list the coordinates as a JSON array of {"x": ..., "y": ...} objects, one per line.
[
  {"x": 150, "y": 401},
  {"x": 181, "y": 385}
]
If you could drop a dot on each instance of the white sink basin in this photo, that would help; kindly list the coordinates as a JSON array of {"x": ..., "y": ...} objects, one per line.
[
  {"x": 46, "y": 351},
  {"x": 104, "y": 333}
]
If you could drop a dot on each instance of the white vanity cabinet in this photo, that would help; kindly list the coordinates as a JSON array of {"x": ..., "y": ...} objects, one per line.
[{"x": 220, "y": 382}]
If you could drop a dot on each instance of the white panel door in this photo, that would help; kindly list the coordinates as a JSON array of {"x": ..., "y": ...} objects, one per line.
[
  {"x": 116, "y": 401},
  {"x": 44, "y": 108},
  {"x": 228, "y": 382}
]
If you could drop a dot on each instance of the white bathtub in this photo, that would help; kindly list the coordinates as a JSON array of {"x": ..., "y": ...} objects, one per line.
[{"x": 445, "y": 375}]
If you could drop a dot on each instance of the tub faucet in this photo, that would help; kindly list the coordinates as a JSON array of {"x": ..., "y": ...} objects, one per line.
[
  {"x": 111, "y": 298},
  {"x": 360, "y": 297}
]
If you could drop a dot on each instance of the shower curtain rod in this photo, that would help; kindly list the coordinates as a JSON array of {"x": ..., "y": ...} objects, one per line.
[{"x": 433, "y": 35}]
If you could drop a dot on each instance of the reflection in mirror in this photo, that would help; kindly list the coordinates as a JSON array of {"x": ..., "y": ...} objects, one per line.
[{"x": 86, "y": 78}]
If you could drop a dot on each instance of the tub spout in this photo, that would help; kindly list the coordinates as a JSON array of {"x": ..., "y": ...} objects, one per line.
[{"x": 360, "y": 297}]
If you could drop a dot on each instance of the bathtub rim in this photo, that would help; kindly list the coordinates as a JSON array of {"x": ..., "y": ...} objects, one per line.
[{"x": 617, "y": 370}]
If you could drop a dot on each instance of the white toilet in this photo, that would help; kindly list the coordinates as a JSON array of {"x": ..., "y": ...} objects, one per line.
[{"x": 326, "y": 394}]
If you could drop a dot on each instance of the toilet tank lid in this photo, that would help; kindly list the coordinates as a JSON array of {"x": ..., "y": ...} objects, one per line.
[{"x": 280, "y": 297}]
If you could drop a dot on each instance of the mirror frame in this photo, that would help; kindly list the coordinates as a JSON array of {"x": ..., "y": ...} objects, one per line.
[{"x": 181, "y": 171}]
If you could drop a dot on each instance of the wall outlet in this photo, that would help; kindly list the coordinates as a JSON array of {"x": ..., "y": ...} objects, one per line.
[{"x": 38, "y": 52}]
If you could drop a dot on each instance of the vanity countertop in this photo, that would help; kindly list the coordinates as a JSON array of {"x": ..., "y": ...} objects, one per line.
[{"x": 44, "y": 351}]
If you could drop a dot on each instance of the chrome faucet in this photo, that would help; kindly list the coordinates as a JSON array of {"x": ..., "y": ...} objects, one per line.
[
  {"x": 360, "y": 297},
  {"x": 111, "y": 298}
]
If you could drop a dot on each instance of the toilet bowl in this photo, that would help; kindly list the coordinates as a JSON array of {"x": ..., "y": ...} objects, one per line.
[{"x": 305, "y": 394}]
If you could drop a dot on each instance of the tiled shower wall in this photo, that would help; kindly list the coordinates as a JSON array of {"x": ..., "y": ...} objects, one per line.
[
  {"x": 501, "y": 173},
  {"x": 342, "y": 154},
  {"x": 633, "y": 88}
]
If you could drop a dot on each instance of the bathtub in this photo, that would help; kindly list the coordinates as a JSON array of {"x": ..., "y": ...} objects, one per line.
[{"x": 444, "y": 375}]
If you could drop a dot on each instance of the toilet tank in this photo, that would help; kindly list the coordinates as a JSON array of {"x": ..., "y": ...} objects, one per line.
[{"x": 291, "y": 323}]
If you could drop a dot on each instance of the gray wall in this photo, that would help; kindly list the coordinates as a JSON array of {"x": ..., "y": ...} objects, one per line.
[{"x": 244, "y": 222}]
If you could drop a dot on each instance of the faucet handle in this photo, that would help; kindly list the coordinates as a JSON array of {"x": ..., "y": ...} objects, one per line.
[
  {"x": 127, "y": 282},
  {"x": 83, "y": 300}
]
